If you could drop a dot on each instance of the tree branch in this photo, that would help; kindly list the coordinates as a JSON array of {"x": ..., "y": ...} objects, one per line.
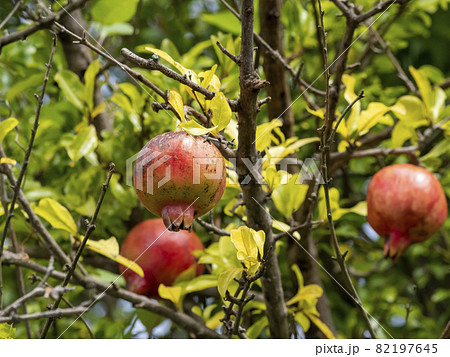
[
  {"x": 90, "y": 229},
  {"x": 43, "y": 23},
  {"x": 253, "y": 195}
]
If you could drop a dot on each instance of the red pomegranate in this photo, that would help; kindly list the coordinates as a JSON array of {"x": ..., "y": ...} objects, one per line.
[
  {"x": 405, "y": 204},
  {"x": 179, "y": 177},
  {"x": 163, "y": 256}
]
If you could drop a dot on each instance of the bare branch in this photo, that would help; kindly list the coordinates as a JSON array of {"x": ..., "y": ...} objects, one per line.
[
  {"x": 324, "y": 148},
  {"x": 234, "y": 58},
  {"x": 212, "y": 228},
  {"x": 43, "y": 23},
  {"x": 90, "y": 229},
  {"x": 18, "y": 4},
  {"x": 380, "y": 7},
  {"x": 154, "y": 64}
]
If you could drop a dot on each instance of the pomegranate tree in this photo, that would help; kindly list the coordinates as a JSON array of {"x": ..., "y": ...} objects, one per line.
[
  {"x": 179, "y": 177},
  {"x": 406, "y": 204},
  {"x": 162, "y": 255}
]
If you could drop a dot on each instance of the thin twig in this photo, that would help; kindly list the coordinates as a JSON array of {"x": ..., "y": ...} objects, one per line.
[
  {"x": 52, "y": 314},
  {"x": 234, "y": 58},
  {"x": 42, "y": 23},
  {"x": 90, "y": 229},
  {"x": 212, "y": 228},
  {"x": 18, "y": 3},
  {"x": 18, "y": 183},
  {"x": 446, "y": 332},
  {"x": 324, "y": 148}
]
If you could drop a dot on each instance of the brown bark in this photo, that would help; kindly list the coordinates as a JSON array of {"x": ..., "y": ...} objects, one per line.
[
  {"x": 78, "y": 59},
  {"x": 272, "y": 33}
]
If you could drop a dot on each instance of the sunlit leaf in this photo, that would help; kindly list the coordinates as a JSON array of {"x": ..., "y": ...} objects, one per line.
[
  {"x": 225, "y": 278},
  {"x": 110, "y": 249},
  {"x": 84, "y": 143},
  {"x": 307, "y": 292},
  {"x": 89, "y": 83},
  {"x": 6, "y": 126},
  {"x": 221, "y": 112},
  {"x": 172, "y": 293},
  {"x": 71, "y": 86},
  {"x": 56, "y": 214},
  {"x": 288, "y": 196},
  {"x": 7, "y": 331},
  {"x": 109, "y": 12},
  {"x": 176, "y": 101},
  {"x": 248, "y": 244},
  {"x": 322, "y": 327},
  {"x": 5, "y": 160},
  {"x": 195, "y": 129}
]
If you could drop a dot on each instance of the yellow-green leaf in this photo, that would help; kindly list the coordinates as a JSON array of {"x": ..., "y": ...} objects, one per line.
[
  {"x": 304, "y": 322},
  {"x": 7, "y": 331},
  {"x": 225, "y": 278},
  {"x": 371, "y": 116},
  {"x": 172, "y": 293},
  {"x": 288, "y": 197},
  {"x": 248, "y": 244},
  {"x": 311, "y": 291},
  {"x": 299, "y": 275},
  {"x": 83, "y": 144},
  {"x": 264, "y": 136},
  {"x": 89, "y": 83},
  {"x": 283, "y": 227},
  {"x": 424, "y": 86},
  {"x": 322, "y": 327},
  {"x": 409, "y": 108},
  {"x": 350, "y": 95},
  {"x": 176, "y": 101},
  {"x": 71, "y": 86},
  {"x": 110, "y": 249},
  {"x": 56, "y": 214},
  {"x": 168, "y": 58},
  {"x": 5, "y": 160},
  {"x": 6, "y": 126},
  {"x": 195, "y": 129},
  {"x": 221, "y": 112}
]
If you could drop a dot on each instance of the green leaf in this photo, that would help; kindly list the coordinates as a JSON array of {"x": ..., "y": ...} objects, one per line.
[
  {"x": 255, "y": 330},
  {"x": 283, "y": 227},
  {"x": 172, "y": 293},
  {"x": 7, "y": 331},
  {"x": 195, "y": 129},
  {"x": 6, "y": 126},
  {"x": 424, "y": 86},
  {"x": 110, "y": 249},
  {"x": 84, "y": 143},
  {"x": 201, "y": 282},
  {"x": 71, "y": 86},
  {"x": 176, "y": 101},
  {"x": 56, "y": 214},
  {"x": 288, "y": 197},
  {"x": 409, "y": 108},
  {"x": 21, "y": 85},
  {"x": 89, "y": 83},
  {"x": 123, "y": 29},
  {"x": 223, "y": 20},
  {"x": 221, "y": 112},
  {"x": 371, "y": 116},
  {"x": 225, "y": 278},
  {"x": 109, "y": 12},
  {"x": 350, "y": 95}
]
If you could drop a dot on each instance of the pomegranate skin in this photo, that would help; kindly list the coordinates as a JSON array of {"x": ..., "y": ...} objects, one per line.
[
  {"x": 179, "y": 177},
  {"x": 405, "y": 204},
  {"x": 165, "y": 255}
]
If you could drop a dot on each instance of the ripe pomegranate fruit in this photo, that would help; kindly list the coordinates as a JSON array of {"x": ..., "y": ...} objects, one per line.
[
  {"x": 179, "y": 177},
  {"x": 163, "y": 256},
  {"x": 405, "y": 204}
]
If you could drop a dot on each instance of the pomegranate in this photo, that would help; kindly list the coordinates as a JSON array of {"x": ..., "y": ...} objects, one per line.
[
  {"x": 163, "y": 256},
  {"x": 405, "y": 204},
  {"x": 179, "y": 177}
]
